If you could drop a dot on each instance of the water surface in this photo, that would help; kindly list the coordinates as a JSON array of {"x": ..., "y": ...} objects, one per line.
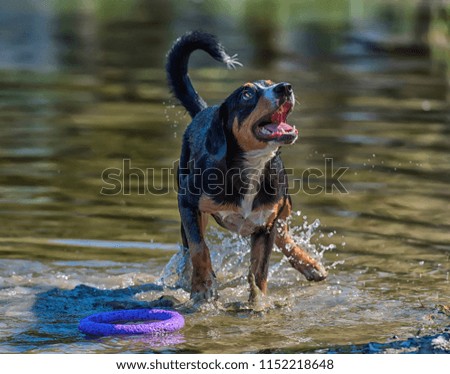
[{"x": 96, "y": 98}]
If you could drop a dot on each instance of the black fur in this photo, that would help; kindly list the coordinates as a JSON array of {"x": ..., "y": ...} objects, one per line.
[
  {"x": 215, "y": 166},
  {"x": 177, "y": 67}
]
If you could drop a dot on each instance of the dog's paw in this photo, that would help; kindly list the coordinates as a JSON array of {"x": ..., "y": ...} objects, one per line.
[
  {"x": 204, "y": 290},
  {"x": 256, "y": 294},
  {"x": 199, "y": 297},
  {"x": 311, "y": 268},
  {"x": 313, "y": 272}
]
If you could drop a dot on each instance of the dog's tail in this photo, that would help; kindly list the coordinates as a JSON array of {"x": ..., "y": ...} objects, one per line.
[{"x": 177, "y": 66}]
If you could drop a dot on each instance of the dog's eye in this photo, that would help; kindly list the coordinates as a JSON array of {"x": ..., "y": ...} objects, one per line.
[{"x": 247, "y": 94}]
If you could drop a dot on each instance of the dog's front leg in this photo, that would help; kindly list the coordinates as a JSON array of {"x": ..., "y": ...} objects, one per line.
[
  {"x": 300, "y": 260},
  {"x": 262, "y": 243},
  {"x": 203, "y": 284}
]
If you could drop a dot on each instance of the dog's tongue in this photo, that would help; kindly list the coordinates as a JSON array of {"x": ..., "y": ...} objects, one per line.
[
  {"x": 279, "y": 127},
  {"x": 279, "y": 124}
]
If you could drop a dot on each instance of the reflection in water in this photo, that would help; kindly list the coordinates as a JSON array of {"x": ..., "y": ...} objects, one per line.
[
  {"x": 264, "y": 32},
  {"x": 371, "y": 80}
]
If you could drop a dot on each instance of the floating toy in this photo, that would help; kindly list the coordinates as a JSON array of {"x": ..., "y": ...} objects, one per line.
[{"x": 128, "y": 322}]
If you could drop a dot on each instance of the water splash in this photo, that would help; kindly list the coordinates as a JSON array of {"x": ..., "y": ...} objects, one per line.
[
  {"x": 175, "y": 273},
  {"x": 308, "y": 235},
  {"x": 174, "y": 116},
  {"x": 230, "y": 255}
]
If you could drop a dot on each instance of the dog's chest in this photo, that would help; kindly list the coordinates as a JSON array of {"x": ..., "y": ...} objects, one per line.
[{"x": 244, "y": 221}]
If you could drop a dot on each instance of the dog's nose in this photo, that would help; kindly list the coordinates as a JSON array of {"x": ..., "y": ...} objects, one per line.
[{"x": 283, "y": 88}]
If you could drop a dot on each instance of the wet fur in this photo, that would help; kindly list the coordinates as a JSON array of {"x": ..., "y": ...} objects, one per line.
[{"x": 226, "y": 172}]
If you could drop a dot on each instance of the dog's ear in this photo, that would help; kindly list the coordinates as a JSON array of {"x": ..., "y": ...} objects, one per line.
[{"x": 216, "y": 141}]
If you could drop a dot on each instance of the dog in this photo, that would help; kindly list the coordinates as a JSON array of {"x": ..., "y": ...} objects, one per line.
[{"x": 230, "y": 168}]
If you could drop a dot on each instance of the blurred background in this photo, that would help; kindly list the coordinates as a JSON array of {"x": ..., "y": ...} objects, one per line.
[
  {"x": 82, "y": 88},
  {"x": 89, "y": 36}
]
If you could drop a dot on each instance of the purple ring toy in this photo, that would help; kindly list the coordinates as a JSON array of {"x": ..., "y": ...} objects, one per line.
[{"x": 103, "y": 323}]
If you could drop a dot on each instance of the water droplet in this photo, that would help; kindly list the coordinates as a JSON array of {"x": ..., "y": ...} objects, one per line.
[{"x": 426, "y": 105}]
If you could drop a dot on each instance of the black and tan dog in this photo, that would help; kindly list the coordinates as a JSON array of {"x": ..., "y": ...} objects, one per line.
[{"x": 230, "y": 168}]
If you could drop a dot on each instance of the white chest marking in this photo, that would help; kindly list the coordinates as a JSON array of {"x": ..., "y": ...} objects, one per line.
[
  {"x": 245, "y": 221},
  {"x": 235, "y": 221},
  {"x": 255, "y": 161}
]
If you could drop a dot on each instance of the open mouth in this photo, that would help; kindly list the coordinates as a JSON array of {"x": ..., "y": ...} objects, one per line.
[{"x": 274, "y": 127}]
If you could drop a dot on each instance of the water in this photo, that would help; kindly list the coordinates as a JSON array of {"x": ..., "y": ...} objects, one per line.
[{"x": 67, "y": 251}]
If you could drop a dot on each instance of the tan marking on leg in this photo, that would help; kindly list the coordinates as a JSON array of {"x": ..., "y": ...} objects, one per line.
[
  {"x": 203, "y": 222},
  {"x": 259, "y": 263},
  {"x": 202, "y": 272},
  {"x": 208, "y": 205},
  {"x": 274, "y": 207},
  {"x": 203, "y": 280},
  {"x": 297, "y": 256}
]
